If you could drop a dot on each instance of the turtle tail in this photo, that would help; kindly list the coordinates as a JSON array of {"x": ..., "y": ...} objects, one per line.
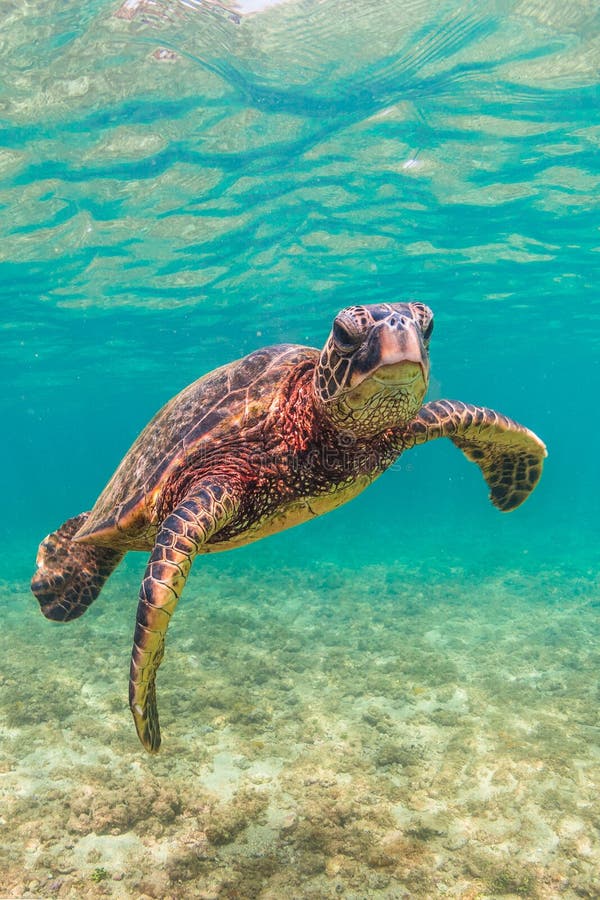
[{"x": 70, "y": 575}]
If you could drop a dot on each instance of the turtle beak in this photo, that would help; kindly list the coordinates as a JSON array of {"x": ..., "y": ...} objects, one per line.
[
  {"x": 395, "y": 355},
  {"x": 403, "y": 357}
]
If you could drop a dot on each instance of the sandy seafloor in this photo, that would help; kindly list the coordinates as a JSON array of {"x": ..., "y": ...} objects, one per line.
[{"x": 423, "y": 730}]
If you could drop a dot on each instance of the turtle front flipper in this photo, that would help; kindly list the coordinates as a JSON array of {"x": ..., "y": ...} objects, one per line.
[
  {"x": 179, "y": 539},
  {"x": 509, "y": 455}
]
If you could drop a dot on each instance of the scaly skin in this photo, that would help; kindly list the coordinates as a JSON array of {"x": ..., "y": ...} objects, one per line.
[
  {"x": 509, "y": 455},
  {"x": 182, "y": 533},
  {"x": 66, "y": 583}
]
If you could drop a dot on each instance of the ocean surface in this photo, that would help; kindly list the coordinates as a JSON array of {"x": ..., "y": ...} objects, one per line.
[{"x": 399, "y": 700}]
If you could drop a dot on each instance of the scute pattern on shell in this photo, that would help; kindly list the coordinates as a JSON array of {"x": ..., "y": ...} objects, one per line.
[{"x": 220, "y": 407}]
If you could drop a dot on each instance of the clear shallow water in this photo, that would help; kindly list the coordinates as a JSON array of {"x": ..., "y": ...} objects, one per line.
[{"x": 180, "y": 185}]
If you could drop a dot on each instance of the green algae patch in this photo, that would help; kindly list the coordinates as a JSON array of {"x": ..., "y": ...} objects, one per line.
[
  {"x": 226, "y": 823},
  {"x": 99, "y": 874},
  {"x": 513, "y": 881}
]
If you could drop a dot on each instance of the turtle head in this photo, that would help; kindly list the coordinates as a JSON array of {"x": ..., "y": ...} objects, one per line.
[{"x": 373, "y": 371}]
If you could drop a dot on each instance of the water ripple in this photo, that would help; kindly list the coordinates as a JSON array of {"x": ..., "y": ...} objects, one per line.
[{"x": 179, "y": 154}]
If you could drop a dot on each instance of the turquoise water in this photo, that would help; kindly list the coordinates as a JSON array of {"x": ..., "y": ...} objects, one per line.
[{"x": 400, "y": 699}]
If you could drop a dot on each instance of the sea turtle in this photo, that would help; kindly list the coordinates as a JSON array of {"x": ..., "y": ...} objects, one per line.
[{"x": 259, "y": 445}]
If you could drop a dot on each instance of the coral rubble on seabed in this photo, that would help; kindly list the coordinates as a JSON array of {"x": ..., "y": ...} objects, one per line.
[{"x": 382, "y": 733}]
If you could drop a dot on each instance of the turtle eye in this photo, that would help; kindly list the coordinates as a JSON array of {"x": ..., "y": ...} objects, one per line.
[
  {"x": 428, "y": 331},
  {"x": 346, "y": 340}
]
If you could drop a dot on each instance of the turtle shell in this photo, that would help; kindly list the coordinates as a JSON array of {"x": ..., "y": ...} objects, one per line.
[{"x": 215, "y": 411}]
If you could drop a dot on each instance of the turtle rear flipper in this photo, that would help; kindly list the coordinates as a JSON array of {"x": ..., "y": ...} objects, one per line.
[{"x": 70, "y": 575}]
